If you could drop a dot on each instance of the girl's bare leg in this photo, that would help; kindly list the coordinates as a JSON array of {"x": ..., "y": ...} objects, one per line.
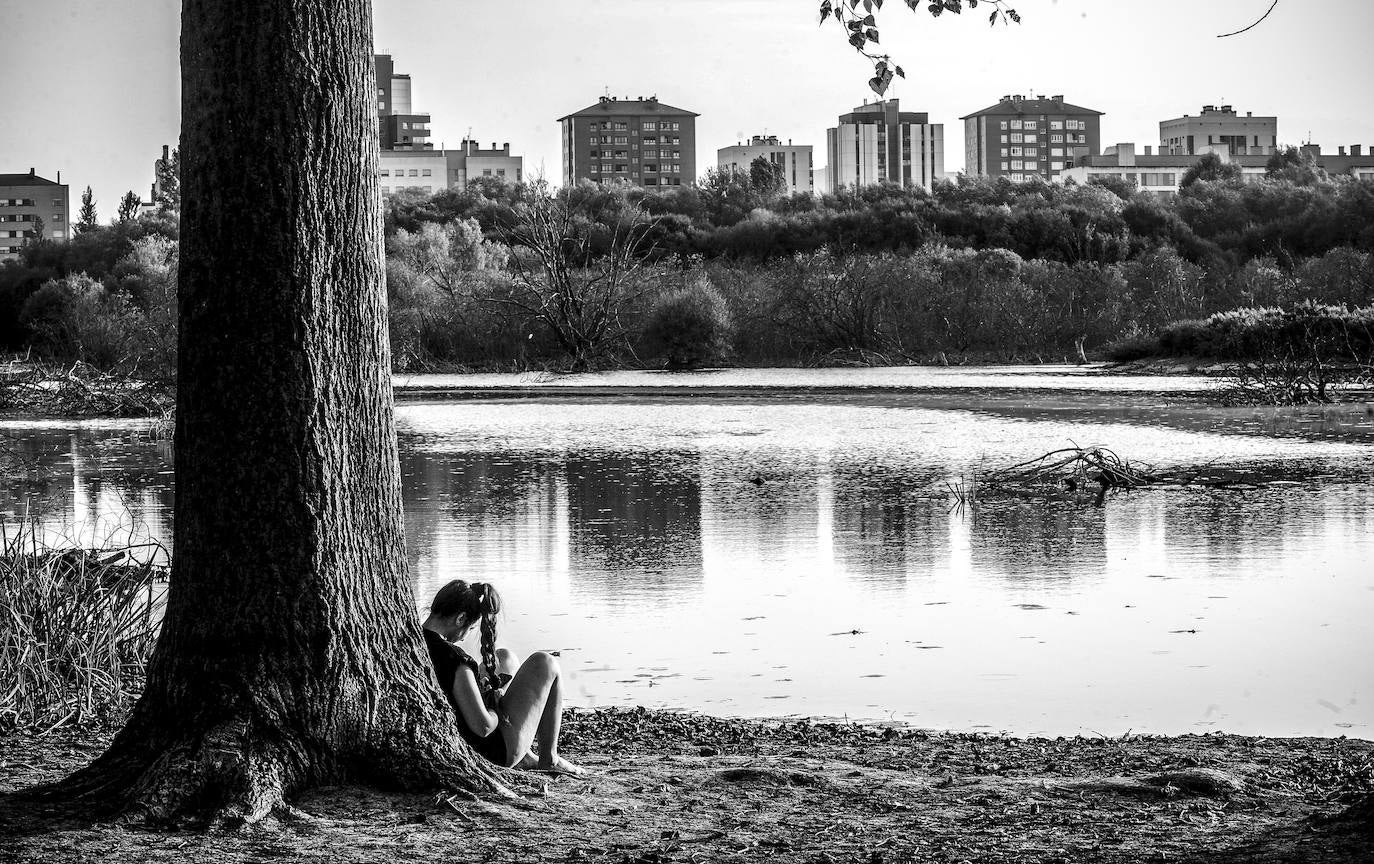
[
  {"x": 508, "y": 663},
  {"x": 533, "y": 704}
]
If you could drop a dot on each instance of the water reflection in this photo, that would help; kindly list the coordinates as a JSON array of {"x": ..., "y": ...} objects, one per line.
[{"x": 796, "y": 556}]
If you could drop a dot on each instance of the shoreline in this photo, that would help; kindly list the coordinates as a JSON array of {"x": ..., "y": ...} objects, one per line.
[{"x": 689, "y": 787}]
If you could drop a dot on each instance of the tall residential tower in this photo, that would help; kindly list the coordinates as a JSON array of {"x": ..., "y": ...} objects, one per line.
[
  {"x": 879, "y": 142},
  {"x": 642, "y": 141},
  {"x": 26, "y": 202},
  {"x": 1024, "y": 138}
]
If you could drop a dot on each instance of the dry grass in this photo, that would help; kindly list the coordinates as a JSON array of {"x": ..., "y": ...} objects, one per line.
[{"x": 76, "y": 628}]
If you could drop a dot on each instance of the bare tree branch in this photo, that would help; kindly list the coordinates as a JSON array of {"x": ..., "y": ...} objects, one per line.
[{"x": 1252, "y": 26}]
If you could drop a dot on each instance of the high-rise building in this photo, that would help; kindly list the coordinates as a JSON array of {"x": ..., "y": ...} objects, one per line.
[
  {"x": 879, "y": 142},
  {"x": 398, "y": 125},
  {"x": 1023, "y": 138},
  {"x": 1245, "y": 136},
  {"x": 409, "y": 161},
  {"x": 643, "y": 141},
  {"x": 793, "y": 159},
  {"x": 27, "y": 202}
]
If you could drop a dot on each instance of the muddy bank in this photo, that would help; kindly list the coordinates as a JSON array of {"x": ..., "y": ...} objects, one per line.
[{"x": 677, "y": 787}]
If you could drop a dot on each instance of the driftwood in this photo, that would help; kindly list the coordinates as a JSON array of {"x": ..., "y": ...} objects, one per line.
[
  {"x": 80, "y": 390},
  {"x": 1082, "y": 473}
]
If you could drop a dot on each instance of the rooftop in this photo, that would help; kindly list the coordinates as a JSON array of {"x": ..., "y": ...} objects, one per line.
[
  {"x": 1016, "y": 105},
  {"x": 29, "y": 179},
  {"x": 612, "y": 106}
]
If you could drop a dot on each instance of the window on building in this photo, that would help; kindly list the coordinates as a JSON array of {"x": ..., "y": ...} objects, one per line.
[
  {"x": 649, "y": 181},
  {"x": 1004, "y": 124},
  {"x": 675, "y": 127},
  {"x": 605, "y": 139},
  {"x": 1006, "y": 166},
  {"x": 649, "y": 125},
  {"x": 677, "y": 169},
  {"x": 57, "y": 218},
  {"x": 405, "y": 125},
  {"x": 650, "y": 139},
  {"x": 593, "y": 140},
  {"x": 621, "y": 169},
  {"x": 621, "y": 127},
  {"x": 57, "y": 202},
  {"x": 650, "y": 168},
  {"x": 1016, "y": 151},
  {"x": 1056, "y": 166},
  {"x": 414, "y": 173},
  {"x": 386, "y": 172},
  {"x": 1016, "y": 124},
  {"x": 1018, "y": 178},
  {"x": 1004, "y": 152},
  {"x": 426, "y": 172},
  {"x": 1032, "y": 165},
  {"x": 1031, "y": 139},
  {"x": 622, "y": 139},
  {"x": 676, "y": 140},
  {"x": 500, "y": 172},
  {"x": 1004, "y": 139},
  {"x": 1056, "y": 124},
  {"x": 1030, "y": 124},
  {"x": 650, "y": 154},
  {"x": 1016, "y": 164},
  {"x": 381, "y": 106},
  {"x": 677, "y": 154},
  {"x": 486, "y": 172},
  {"x": 593, "y": 127},
  {"x": 1032, "y": 151},
  {"x": 1016, "y": 137}
]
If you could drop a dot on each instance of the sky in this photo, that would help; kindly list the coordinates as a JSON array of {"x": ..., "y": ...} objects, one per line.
[{"x": 92, "y": 90}]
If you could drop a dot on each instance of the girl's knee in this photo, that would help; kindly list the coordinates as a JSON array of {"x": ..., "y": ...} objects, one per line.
[
  {"x": 545, "y": 662},
  {"x": 507, "y": 659}
]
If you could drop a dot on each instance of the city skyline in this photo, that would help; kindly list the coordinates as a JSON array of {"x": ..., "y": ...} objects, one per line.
[{"x": 102, "y": 114}]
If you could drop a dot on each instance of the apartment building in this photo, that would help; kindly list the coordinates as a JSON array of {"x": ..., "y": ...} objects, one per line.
[
  {"x": 794, "y": 159},
  {"x": 1162, "y": 173},
  {"x": 641, "y": 141},
  {"x": 436, "y": 170},
  {"x": 879, "y": 142},
  {"x": 399, "y": 127},
  {"x": 28, "y": 201},
  {"x": 1219, "y": 125},
  {"x": 1021, "y": 138}
]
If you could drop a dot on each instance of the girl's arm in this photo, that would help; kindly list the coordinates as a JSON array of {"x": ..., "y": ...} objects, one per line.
[{"x": 468, "y": 698}]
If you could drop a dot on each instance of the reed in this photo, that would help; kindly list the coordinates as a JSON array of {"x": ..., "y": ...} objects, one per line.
[{"x": 76, "y": 628}]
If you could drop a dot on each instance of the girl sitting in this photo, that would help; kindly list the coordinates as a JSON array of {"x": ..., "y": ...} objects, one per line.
[{"x": 502, "y": 704}]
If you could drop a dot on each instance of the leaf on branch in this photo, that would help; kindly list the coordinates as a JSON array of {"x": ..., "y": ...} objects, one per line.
[
  {"x": 868, "y": 5},
  {"x": 880, "y": 82},
  {"x": 935, "y": 9},
  {"x": 954, "y": 6},
  {"x": 872, "y": 34},
  {"x": 869, "y": 21},
  {"x": 826, "y": 9},
  {"x": 1011, "y": 13},
  {"x": 992, "y": 19},
  {"x": 900, "y": 73}
]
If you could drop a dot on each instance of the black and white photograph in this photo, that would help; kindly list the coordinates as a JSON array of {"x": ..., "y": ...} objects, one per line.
[{"x": 652, "y": 432}]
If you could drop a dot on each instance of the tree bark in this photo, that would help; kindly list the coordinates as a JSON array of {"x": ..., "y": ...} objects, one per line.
[{"x": 290, "y": 654}]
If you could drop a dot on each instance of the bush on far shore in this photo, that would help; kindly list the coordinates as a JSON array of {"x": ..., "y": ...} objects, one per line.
[{"x": 689, "y": 327}]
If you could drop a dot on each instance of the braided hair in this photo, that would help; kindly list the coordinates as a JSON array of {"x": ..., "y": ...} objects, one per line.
[{"x": 475, "y": 602}]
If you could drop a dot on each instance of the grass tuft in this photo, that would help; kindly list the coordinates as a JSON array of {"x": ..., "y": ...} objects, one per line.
[{"x": 76, "y": 629}]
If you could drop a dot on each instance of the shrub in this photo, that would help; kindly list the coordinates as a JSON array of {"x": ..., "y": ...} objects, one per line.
[
  {"x": 1135, "y": 347},
  {"x": 689, "y": 327}
]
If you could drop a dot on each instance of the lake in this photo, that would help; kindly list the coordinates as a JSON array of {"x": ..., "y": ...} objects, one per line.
[{"x": 781, "y": 542}]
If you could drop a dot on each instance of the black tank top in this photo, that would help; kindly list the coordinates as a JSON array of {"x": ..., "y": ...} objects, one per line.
[{"x": 447, "y": 658}]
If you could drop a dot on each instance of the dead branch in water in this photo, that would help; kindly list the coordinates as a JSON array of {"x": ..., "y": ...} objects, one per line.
[
  {"x": 80, "y": 390},
  {"x": 1078, "y": 472}
]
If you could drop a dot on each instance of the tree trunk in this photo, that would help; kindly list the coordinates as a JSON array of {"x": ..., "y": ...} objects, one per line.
[{"x": 290, "y": 654}]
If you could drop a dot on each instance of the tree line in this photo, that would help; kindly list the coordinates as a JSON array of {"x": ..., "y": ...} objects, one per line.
[{"x": 735, "y": 270}]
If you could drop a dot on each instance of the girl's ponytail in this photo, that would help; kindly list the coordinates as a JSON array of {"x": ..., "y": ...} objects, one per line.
[{"x": 489, "y": 606}]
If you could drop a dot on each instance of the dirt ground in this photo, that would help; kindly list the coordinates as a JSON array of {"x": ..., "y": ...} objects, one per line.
[{"x": 680, "y": 787}]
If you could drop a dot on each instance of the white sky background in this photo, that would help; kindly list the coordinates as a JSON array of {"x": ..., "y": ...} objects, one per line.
[{"x": 92, "y": 85}]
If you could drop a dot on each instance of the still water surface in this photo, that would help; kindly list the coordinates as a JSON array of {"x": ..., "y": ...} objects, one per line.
[{"x": 794, "y": 554}]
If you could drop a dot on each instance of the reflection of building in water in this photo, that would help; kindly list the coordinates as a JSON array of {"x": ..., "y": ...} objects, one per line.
[
  {"x": 882, "y": 534},
  {"x": 634, "y": 524},
  {"x": 1038, "y": 540},
  {"x": 482, "y": 517}
]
